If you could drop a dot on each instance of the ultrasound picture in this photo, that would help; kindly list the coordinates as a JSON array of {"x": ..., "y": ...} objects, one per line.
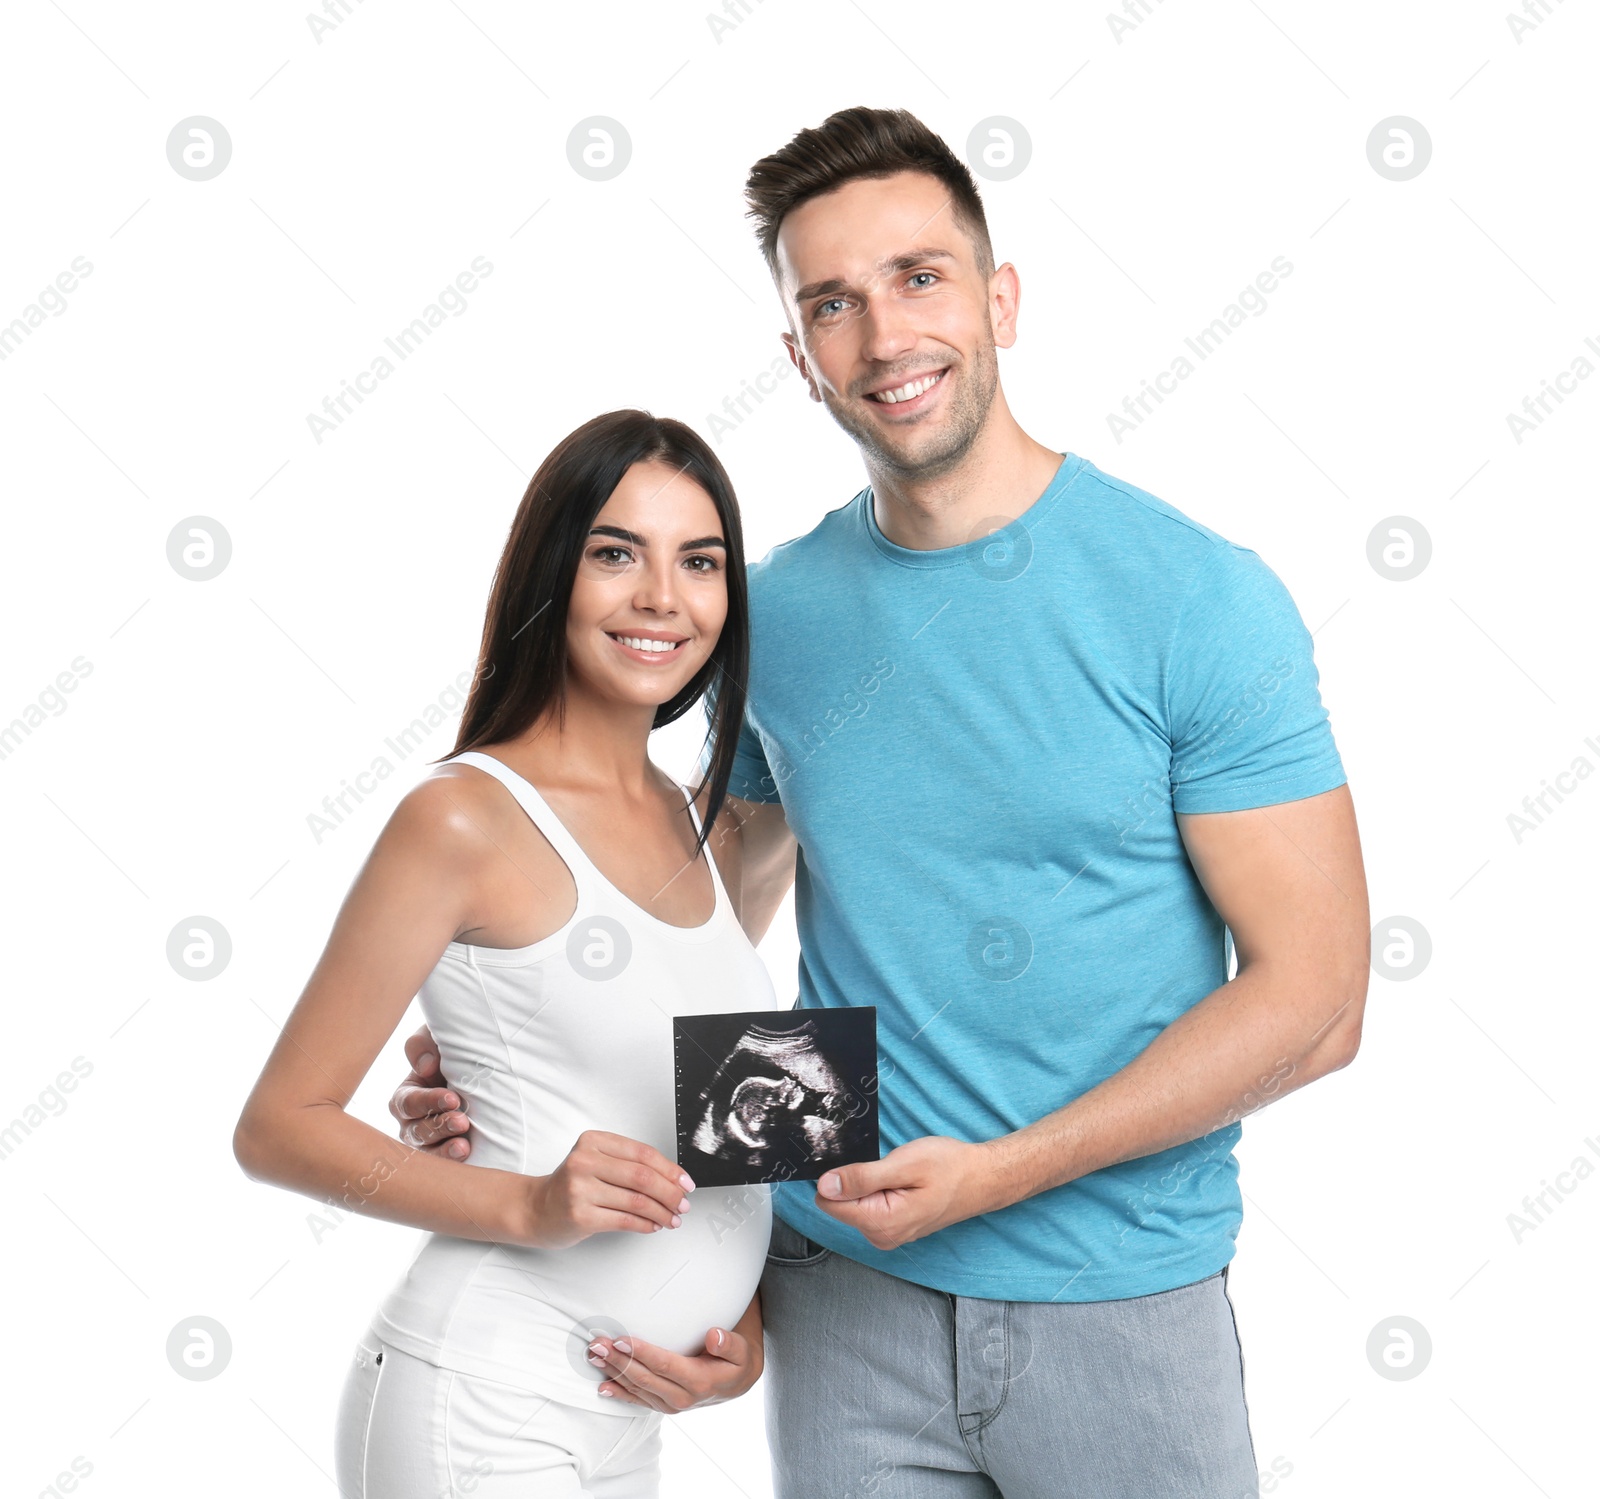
[{"x": 768, "y": 1096}]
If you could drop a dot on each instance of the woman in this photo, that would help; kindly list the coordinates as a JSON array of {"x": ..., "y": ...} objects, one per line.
[{"x": 551, "y": 934}]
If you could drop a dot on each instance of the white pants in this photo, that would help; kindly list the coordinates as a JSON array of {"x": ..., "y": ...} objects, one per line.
[{"x": 410, "y": 1430}]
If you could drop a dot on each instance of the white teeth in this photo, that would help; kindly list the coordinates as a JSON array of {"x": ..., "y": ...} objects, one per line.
[
  {"x": 908, "y": 391},
  {"x": 639, "y": 643}
]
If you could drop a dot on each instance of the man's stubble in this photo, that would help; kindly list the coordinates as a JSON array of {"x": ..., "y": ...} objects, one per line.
[{"x": 969, "y": 406}]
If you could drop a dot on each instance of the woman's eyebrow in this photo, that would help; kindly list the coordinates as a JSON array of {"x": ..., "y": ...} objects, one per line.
[{"x": 634, "y": 539}]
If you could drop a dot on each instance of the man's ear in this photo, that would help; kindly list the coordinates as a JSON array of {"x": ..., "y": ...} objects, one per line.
[
  {"x": 792, "y": 346},
  {"x": 1005, "y": 296}
]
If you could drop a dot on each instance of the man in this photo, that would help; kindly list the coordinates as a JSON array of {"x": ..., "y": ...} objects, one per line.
[{"x": 1031, "y": 745}]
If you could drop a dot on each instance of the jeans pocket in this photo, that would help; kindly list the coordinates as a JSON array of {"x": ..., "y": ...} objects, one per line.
[
  {"x": 355, "y": 1415},
  {"x": 788, "y": 1246}
]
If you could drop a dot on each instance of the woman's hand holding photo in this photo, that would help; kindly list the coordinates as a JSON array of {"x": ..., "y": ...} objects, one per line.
[{"x": 607, "y": 1184}]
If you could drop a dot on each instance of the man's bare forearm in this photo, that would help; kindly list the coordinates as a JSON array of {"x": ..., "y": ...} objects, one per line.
[
  {"x": 1246, "y": 1044},
  {"x": 1288, "y": 882},
  {"x": 758, "y": 852}
]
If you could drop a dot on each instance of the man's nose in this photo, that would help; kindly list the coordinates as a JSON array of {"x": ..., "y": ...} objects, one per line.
[{"x": 886, "y": 333}]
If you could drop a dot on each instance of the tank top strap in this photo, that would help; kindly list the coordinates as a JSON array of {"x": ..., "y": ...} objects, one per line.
[
  {"x": 723, "y": 903},
  {"x": 540, "y": 813}
]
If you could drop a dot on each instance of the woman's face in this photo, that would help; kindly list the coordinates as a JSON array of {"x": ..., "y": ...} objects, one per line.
[{"x": 651, "y": 592}]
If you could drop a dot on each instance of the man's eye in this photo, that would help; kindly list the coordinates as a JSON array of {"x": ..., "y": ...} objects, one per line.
[
  {"x": 927, "y": 277},
  {"x": 832, "y": 302}
]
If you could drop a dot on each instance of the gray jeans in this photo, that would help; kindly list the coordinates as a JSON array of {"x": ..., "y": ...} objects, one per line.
[{"x": 877, "y": 1388}]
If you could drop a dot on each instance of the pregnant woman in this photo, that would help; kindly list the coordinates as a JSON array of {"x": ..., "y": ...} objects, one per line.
[{"x": 549, "y": 896}]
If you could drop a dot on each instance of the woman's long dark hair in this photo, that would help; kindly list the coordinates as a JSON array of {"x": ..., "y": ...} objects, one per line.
[{"x": 522, "y": 661}]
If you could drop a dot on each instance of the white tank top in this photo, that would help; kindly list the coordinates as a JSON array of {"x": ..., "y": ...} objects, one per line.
[{"x": 543, "y": 1042}]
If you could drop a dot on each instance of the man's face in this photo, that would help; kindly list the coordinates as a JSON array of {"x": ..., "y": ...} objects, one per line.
[{"x": 892, "y": 322}]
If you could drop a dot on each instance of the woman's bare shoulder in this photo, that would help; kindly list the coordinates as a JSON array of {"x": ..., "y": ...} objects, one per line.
[
  {"x": 453, "y": 814},
  {"x": 468, "y": 831}
]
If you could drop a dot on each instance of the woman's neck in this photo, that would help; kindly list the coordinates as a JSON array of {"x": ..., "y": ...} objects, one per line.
[{"x": 595, "y": 744}]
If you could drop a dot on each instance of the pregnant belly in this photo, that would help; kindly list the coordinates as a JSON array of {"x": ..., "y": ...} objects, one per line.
[
  {"x": 667, "y": 1288},
  {"x": 670, "y": 1288}
]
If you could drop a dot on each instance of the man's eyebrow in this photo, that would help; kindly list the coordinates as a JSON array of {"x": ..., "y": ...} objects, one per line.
[
  {"x": 901, "y": 262},
  {"x": 908, "y": 258},
  {"x": 634, "y": 539},
  {"x": 830, "y": 288}
]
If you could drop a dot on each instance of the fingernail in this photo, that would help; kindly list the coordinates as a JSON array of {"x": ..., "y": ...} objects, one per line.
[
  {"x": 656, "y": 1228},
  {"x": 426, "y": 1062},
  {"x": 605, "y": 1394},
  {"x": 683, "y": 1207},
  {"x": 829, "y": 1185},
  {"x": 594, "y": 1358},
  {"x": 457, "y": 1148},
  {"x": 622, "y": 1345},
  {"x": 450, "y": 1101},
  {"x": 597, "y": 1348},
  {"x": 686, "y": 1182},
  {"x": 676, "y": 1220}
]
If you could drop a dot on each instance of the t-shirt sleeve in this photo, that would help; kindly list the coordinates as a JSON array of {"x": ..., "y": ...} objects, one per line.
[
  {"x": 1245, "y": 718},
  {"x": 752, "y": 778}
]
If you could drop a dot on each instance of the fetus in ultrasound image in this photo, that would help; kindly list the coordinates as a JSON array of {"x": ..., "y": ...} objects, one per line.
[{"x": 770, "y": 1096}]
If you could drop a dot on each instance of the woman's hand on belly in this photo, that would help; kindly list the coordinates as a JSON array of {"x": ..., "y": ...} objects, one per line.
[
  {"x": 607, "y": 1184},
  {"x": 640, "y": 1373}
]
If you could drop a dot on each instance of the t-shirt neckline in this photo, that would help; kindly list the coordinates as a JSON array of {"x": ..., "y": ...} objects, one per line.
[{"x": 955, "y": 556}]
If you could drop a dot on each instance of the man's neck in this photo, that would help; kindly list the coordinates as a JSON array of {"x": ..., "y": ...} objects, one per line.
[{"x": 999, "y": 477}]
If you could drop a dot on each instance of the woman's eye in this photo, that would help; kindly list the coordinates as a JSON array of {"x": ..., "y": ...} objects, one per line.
[
  {"x": 701, "y": 564},
  {"x": 612, "y": 556}
]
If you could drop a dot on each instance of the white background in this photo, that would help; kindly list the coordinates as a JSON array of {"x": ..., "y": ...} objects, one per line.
[{"x": 1167, "y": 169}]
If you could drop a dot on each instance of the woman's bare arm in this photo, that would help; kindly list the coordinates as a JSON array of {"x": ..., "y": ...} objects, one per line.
[
  {"x": 415, "y": 893},
  {"x": 407, "y": 903}
]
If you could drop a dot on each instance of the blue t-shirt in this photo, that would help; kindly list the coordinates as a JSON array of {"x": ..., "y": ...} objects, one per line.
[{"x": 982, "y": 750}]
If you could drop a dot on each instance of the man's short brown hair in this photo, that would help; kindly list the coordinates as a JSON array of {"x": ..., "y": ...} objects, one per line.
[{"x": 852, "y": 144}]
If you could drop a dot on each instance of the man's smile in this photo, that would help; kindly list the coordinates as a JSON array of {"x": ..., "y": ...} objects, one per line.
[{"x": 911, "y": 394}]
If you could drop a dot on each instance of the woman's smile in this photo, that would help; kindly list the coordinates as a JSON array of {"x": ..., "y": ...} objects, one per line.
[{"x": 652, "y": 647}]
